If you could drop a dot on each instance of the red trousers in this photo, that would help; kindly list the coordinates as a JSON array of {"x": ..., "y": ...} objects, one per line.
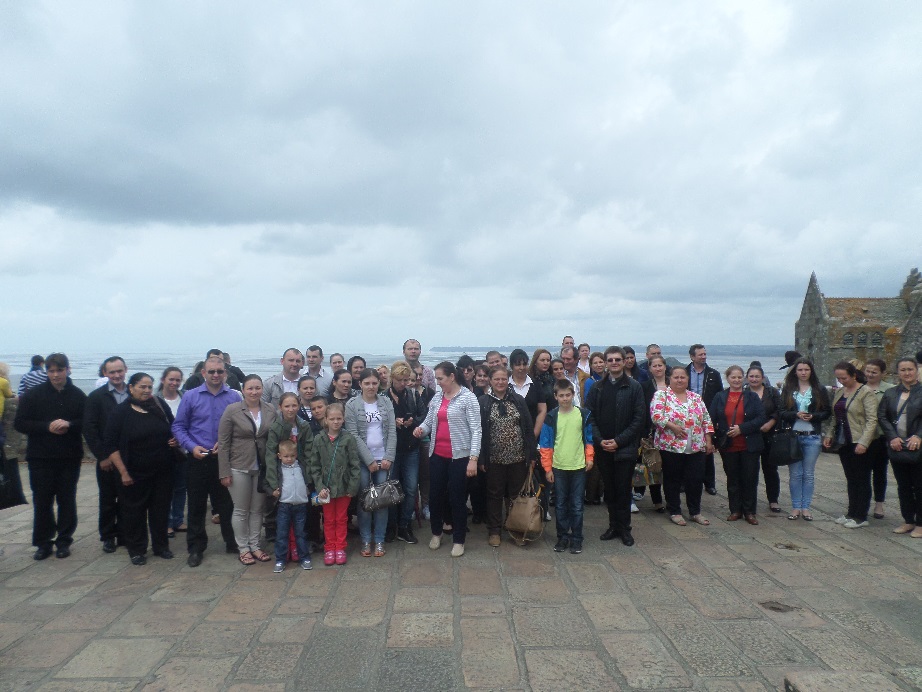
[{"x": 336, "y": 522}]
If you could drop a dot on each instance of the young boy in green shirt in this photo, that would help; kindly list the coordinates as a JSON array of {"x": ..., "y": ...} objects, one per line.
[{"x": 566, "y": 452}]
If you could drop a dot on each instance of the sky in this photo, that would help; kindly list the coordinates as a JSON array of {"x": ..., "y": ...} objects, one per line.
[{"x": 179, "y": 175}]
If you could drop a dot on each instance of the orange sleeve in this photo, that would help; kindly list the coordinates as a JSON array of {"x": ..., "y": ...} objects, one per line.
[
  {"x": 547, "y": 457},
  {"x": 590, "y": 453}
]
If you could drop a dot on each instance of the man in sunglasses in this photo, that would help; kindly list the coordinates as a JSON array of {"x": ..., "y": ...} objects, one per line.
[
  {"x": 618, "y": 415},
  {"x": 196, "y": 430}
]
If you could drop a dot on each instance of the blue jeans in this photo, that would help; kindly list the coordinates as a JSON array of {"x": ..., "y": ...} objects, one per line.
[
  {"x": 379, "y": 515},
  {"x": 801, "y": 472},
  {"x": 569, "y": 488},
  {"x": 290, "y": 515},
  {"x": 178, "y": 504},
  {"x": 405, "y": 470}
]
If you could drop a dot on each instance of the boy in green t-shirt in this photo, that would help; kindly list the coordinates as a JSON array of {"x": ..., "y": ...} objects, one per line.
[{"x": 566, "y": 451}]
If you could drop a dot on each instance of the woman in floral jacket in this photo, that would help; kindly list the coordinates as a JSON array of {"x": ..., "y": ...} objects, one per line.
[{"x": 683, "y": 437}]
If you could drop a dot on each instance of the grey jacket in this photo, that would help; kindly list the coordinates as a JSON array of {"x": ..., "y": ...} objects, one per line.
[
  {"x": 463, "y": 421},
  {"x": 358, "y": 427},
  {"x": 237, "y": 441},
  {"x": 273, "y": 389}
]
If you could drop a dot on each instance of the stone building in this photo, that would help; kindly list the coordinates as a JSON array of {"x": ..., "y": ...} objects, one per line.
[{"x": 833, "y": 329}]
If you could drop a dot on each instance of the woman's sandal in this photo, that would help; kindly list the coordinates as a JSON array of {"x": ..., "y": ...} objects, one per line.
[
  {"x": 807, "y": 517},
  {"x": 698, "y": 519},
  {"x": 247, "y": 558},
  {"x": 678, "y": 520},
  {"x": 793, "y": 517},
  {"x": 261, "y": 556}
]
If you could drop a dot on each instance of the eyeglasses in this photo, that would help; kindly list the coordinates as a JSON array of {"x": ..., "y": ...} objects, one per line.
[
  {"x": 215, "y": 372},
  {"x": 615, "y": 360}
]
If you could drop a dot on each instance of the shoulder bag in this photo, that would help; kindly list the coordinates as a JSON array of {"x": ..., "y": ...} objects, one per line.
[
  {"x": 785, "y": 449},
  {"x": 382, "y": 495},
  {"x": 524, "y": 520},
  {"x": 905, "y": 455}
]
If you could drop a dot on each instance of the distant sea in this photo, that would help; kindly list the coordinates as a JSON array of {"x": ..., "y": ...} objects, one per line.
[{"x": 85, "y": 366}]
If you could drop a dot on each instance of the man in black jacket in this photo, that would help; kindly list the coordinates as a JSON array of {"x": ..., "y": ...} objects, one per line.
[
  {"x": 99, "y": 406},
  {"x": 618, "y": 416},
  {"x": 704, "y": 381},
  {"x": 51, "y": 415}
]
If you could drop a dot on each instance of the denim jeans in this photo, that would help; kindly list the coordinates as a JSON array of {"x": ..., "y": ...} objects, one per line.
[
  {"x": 801, "y": 472},
  {"x": 178, "y": 504},
  {"x": 406, "y": 470},
  {"x": 290, "y": 515},
  {"x": 379, "y": 515},
  {"x": 569, "y": 488}
]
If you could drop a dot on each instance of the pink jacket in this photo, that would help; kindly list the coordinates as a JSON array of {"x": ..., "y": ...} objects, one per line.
[{"x": 692, "y": 415}]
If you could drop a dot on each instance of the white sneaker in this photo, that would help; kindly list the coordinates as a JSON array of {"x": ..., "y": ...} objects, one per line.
[
  {"x": 457, "y": 550},
  {"x": 634, "y": 509},
  {"x": 426, "y": 514},
  {"x": 842, "y": 519},
  {"x": 852, "y": 524},
  {"x": 637, "y": 497},
  {"x": 435, "y": 543}
]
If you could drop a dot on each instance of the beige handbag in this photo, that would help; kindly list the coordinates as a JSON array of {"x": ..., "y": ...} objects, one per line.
[{"x": 524, "y": 521}]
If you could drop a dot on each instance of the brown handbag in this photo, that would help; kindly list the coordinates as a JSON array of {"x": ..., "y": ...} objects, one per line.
[{"x": 524, "y": 520}]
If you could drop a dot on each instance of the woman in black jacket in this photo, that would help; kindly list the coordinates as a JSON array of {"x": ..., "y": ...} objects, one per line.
[
  {"x": 900, "y": 417},
  {"x": 140, "y": 441},
  {"x": 508, "y": 449},
  {"x": 771, "y": 402},
  {"x": 738, "y": 417}
]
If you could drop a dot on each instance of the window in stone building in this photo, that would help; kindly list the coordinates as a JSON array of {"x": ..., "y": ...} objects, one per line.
[
  {"x": 877, "y": 339},
  {"x": 848, "y": 339},
  {"x": 863, "y": 339}
]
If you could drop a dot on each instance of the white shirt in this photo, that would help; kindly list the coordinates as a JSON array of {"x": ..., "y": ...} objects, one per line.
[
  {"x": 523, "y": 390},
  {"x": 375, "y": 430},
  {"x": 289, "y": 385}
]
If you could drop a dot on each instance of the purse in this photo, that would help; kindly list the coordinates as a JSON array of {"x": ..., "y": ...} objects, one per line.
[
  {"x": 10, "y": 484},
  {"x": 906, "y": 456},
  {"x": 650, "y": 456},
  {"x": 383, "y": 495},
  {"x": 785, "y": 449},
  {"x": 524, "y": 519},
  {"x": 839, "y": 441}
]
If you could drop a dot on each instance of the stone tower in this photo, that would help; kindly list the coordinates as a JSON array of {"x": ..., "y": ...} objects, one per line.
[{"x": 834, "y": 329}]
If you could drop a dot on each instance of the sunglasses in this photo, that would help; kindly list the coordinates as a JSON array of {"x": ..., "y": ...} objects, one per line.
[{"x": 215, "y": 372}]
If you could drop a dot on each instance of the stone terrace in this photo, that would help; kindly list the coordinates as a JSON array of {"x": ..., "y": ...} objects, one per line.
[{"x": 727, "y": 607}]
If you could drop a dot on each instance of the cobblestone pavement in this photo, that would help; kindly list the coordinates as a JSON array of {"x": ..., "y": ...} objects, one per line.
[{"x": 725, "y": 607}]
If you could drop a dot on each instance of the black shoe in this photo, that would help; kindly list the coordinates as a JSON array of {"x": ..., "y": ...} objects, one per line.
[
  {"x": 711, "y": 491},
  {"x": 406, "y": 535},
  {"x": 608, "y": 535},
  {"x": 138, "y": 560},
  {"x": 165, "y": 554},
  {"x": 63, "y": 552},
  {"x": 627, "y": 538},
  {"x": 562, "y": 544},
  {"x": 195, "y": 559},
  {"x": 108, "y": 545},
  {"x": 42, "y": 553},
  {"x": 390, "y": 534},
  {"x": 576, "y": 547}
]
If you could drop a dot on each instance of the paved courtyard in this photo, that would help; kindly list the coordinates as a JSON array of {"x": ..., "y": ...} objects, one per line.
[{"x": 725, "y": 607}]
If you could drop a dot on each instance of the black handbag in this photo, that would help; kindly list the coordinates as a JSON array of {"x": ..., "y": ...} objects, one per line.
[
  {"x": 382, "y": 495},
  {"x": 785, "y": 449},
  {"x": 905, "y": 455},
  {"x": 10, "y": 484}
]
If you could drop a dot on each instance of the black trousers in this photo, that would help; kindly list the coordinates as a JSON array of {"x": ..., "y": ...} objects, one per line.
[
  {"x": 857, "y": 468},
  {"x": 448, "y": 480},
  {"x": 477, "y": 487},
  {"x": 909, "y": 488},
  {"x": 742, "y": 469},
  {"x": 682, "y": 470},
  {"x": 54, "y": 480},
  {"x": 146, "y": 503},
  {"x": 877, "y": 453},
  {"x": 202, "y": 475},
  {"x": 594, "y": 485},
  {"x": 618, "y": 477},
  {"x": 710, "y": 472},
  {"x": 109, "y": 483},
  {"x": 503, "y": 480},
  {"x": 770, "y": 473}
]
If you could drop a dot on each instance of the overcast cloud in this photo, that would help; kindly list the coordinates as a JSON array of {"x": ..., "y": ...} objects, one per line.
[{"x": 466, "y": 173}]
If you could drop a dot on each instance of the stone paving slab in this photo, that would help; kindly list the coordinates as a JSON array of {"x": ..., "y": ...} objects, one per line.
[{"x": 725, "y": 607}]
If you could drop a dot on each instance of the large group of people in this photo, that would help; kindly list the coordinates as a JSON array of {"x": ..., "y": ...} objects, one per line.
[{"x": 284, "y": 459}]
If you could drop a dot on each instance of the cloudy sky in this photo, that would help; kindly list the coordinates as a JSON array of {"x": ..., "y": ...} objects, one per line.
[{"x": 176, "y": 175}]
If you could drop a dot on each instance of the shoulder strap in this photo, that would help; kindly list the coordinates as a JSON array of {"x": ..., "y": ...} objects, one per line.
[{"x": 333, "y": 460}]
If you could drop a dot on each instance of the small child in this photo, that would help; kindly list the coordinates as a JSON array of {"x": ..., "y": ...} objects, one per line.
[
  {"x": 335, "y": 469},
  {"x": 566, "y": 451},
  {"x": 289, "y": 484},
  {"x": 318, "y": 413}
]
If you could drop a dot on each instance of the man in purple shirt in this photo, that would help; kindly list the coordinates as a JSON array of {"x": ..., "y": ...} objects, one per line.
[{"x": 196, "y": 430}]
